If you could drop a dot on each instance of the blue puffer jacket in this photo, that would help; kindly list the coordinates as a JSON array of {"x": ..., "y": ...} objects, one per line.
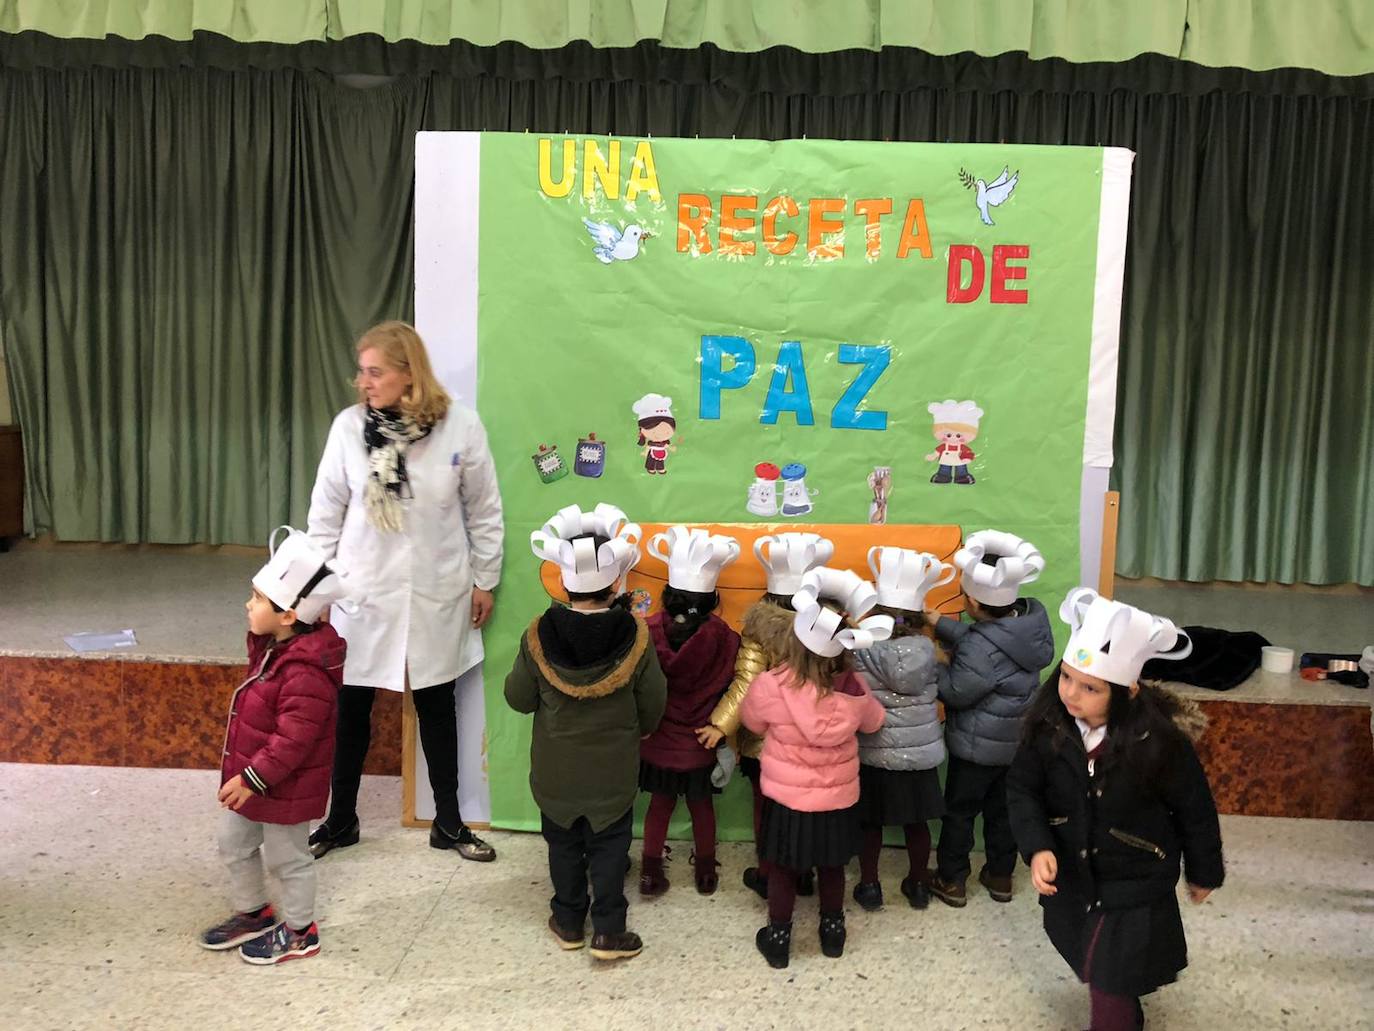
[
  {"x": 904, "y": 676},
  {"x": 994, "y": 670}
]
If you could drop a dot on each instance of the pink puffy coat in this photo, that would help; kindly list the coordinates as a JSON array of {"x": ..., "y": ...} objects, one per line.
[
  {"x": 280, "y": 735},
  {"x": 810, "y": 759}
]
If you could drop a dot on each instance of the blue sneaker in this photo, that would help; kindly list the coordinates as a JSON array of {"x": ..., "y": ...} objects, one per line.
[
  {"x": 239, "y": 928},
  {"x": 281, "y": 944}
]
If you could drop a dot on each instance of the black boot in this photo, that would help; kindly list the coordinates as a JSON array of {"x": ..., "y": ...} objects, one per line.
[
  {"x": 916, "y": 892},
  {"x": 757, "y": 882},
  {"x": 775, "y": 942},
  {"x": 323, "y": 840},
  {"x": 869, "y": 896},
  {"x": 832, "y": 934}
]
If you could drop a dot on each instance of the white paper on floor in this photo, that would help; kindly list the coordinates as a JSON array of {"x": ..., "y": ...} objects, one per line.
[{"x": 101, "y": 640}]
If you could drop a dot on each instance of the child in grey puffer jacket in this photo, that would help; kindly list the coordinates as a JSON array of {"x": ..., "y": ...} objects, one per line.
[{"x": 898, "y": 780}]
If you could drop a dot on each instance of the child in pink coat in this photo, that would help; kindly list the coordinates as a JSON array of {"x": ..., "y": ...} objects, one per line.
[{"x": 809, "y": 710}]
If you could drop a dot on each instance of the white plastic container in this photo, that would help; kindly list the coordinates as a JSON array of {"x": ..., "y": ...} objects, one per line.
[{"x": 1276, "y": 660}]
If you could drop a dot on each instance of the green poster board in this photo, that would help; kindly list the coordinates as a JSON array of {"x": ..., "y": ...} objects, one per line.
[{"x": 804, "y": 311}]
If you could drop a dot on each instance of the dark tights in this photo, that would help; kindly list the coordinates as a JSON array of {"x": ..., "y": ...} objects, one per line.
[
  {"x": 1115, "y": 1012},
  {"x": 782, "y": 891},
  {"x": 703, "y": 812},
  {"x": 917, "y": 851}
]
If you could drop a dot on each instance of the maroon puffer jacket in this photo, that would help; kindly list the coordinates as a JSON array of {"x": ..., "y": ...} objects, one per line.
[
  {"x": 281, "y": 724},
  {"x": 698, "y": 674}
]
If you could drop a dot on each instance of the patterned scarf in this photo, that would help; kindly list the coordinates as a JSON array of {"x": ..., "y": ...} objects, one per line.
[{"x": 388, "y": 435}]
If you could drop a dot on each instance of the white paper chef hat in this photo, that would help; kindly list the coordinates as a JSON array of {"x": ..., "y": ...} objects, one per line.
[
  {"x": 786, "y": 557},
  {"x": 820, "y": 626},
  {"x": 297, "y": 576},
  {"x": 1113, "y": 640},
  {"x": 904, "y": 577},
  {"x": 694, "y": 557},
  {"x": 1017, "y": 562},
  {"x": 962, "y": 413},
  {"x": 585, "y": 568},
  {"x": 652, "y": 405}
]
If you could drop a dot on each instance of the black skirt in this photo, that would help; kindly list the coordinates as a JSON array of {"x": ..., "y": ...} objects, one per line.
[
  {"x": 800, "y": 841},
  {"x": 689, "y": 784},
  {"x": 894, "y": 798},
  {"x": 1121, "y": 951}
]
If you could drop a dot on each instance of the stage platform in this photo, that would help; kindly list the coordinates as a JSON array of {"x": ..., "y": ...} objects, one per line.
[{"x": 1276, "y": 746}]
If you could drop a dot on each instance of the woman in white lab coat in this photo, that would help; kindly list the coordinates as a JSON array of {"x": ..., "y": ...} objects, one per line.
[{"x": 406, "y": 503}]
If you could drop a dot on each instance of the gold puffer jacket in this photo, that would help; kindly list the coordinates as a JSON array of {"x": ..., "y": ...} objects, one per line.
[{"x": 765, "y": 630}]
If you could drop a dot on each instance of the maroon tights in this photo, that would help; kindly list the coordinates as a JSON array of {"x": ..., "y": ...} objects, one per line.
[
  {"x": 782, "y": 891},
  {"x": 917, "y": 850},
  {"x": 661, "y": 807},
  {"x": 1115, "y": 1012}
]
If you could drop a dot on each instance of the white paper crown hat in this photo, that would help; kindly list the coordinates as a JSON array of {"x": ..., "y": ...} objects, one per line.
[
  {"x": 1113, "y": 640},
  {"x": 1017, "y": 563},
  {"x": 297, "y": 576},
  {"x": 787, "y": 557},
  {"x": 694, "y": 557},
  {"x": 585, "y": 568},
  {"x": 821, "y": 627},
  {"x": 904, "y": 577}
]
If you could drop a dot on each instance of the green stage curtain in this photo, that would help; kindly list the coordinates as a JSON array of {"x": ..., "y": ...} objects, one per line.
[
  {"x": 186, "y": 253},
  {"x": 1331, "y": 37}
]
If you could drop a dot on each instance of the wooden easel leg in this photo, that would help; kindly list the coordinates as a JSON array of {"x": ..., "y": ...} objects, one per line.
[{"x": 1106, "y": 574}]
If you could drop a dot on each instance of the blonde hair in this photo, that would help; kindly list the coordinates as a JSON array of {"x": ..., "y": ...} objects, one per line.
[{"x": 425, "y": 400}]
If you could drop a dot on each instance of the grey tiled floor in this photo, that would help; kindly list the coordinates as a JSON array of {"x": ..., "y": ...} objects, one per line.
[{"x": 106, "y": 875}]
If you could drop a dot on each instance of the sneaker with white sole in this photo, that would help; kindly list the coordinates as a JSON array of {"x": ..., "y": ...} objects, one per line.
[
  {"x": 281, "y": 944},
  {"x": 239, "y": 928}
]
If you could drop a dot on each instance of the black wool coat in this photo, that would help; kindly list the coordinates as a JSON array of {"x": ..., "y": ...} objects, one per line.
[{"x": 1119, "y": 841}]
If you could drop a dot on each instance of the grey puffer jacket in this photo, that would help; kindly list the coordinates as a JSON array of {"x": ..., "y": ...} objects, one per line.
[
  {"x": 904, "y": 676},
  {"x": 994, "y": 671}
]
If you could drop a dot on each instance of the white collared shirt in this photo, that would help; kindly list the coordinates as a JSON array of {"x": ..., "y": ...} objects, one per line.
[{"x": 1092, "y": 737}]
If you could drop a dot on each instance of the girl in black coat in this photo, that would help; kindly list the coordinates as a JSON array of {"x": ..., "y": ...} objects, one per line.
[{"x": 1107, "y": 798}]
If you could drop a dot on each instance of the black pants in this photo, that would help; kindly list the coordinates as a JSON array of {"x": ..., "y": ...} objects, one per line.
[
  {"x": 438, "y": 718},
  {"x": 577, "y": 851},
  {"x": 970, "y": 789}
]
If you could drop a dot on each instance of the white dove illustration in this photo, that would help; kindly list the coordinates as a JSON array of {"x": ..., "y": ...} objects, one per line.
[
  {"x": 614, "y": 245},
  {"x": 992, "y": 194}
]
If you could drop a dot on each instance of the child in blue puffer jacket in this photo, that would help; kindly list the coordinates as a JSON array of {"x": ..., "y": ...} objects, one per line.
[{"x": 994, "y": 672}]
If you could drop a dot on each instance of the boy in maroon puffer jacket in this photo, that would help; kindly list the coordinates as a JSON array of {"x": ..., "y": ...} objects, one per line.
[{"x": 278, "y": 753}]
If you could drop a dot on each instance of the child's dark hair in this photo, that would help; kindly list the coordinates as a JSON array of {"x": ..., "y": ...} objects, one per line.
[
  {"x": 782, "y": 601},
  {"x": 1143, "y": 733},
  {"x": 299, "y": 626},
  {"x": 904, "y": 623},
  {"x": 651, "y": 422},
  {"x": 687, "y": 612},
  {"x": 606, "y": 595}
]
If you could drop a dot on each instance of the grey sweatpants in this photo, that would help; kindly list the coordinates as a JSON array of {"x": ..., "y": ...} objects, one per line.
[{"x": 285, "y": 852}]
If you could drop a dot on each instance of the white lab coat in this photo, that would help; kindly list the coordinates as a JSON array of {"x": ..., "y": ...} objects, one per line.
[{"x": 414, "y": 586}]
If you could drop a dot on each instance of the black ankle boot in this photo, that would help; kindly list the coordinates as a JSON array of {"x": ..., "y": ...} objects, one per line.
[
  {"x": 323, "y": 839},
  {"x": 869, "y": 896},
  {"x": 775, "y": 942},
  {"x": 757, "y": 882},
  {"x": 832, "y": 934}
]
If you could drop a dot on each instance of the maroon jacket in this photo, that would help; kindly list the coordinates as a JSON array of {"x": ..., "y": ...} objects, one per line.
[
  {"x": 281, "y": 725},
  {"x": 698, "y": 674}
]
